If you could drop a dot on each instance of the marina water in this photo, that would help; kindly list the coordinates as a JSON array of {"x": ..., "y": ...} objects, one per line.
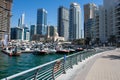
[{"x": 12, "y": 65}]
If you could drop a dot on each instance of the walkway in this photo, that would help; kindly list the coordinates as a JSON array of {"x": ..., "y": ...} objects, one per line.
[{"x": 105, "y": 66}]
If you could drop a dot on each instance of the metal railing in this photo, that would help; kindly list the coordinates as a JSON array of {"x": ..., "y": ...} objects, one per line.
[{"x": 53, "y": 69}]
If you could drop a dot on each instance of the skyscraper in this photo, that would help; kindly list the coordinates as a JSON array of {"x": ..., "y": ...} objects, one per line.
[
  {"x": 32, "y": 31},
  {"x": 63, "y": 22},
  {"x": 51, "y": 31},
  {"x": 89, "y": 15},
  {"x": 22, "y": 19},
  {"x": 102, "y": 24},
  {"x": 26, "y": 33},
  {"x": 16, "y": 33},
  {"x": 112, "y": 20},
  {"x": 75, "y": 21},
  {"x": 5, "y": 15},
  {"x": 41, "y": 21},
  {"x": 19, "y": 22},
  {"x": 89, "y": 11}
]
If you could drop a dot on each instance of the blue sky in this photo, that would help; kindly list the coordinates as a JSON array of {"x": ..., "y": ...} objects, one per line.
[{"x": 29, "y": 7}]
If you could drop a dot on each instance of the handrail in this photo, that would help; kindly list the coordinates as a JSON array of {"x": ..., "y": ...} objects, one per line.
[
  {"x": 24, "y": 72},
  {"x": 62, "y": 66}
]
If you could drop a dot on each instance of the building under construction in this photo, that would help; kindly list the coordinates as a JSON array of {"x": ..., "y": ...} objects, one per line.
[{"x": 5, "y": 15}]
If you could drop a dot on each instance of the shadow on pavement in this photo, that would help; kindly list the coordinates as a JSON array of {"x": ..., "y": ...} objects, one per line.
[{"x": 112, "y": 57}]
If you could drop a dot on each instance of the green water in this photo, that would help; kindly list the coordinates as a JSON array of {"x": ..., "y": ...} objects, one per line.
[{"x": 12, "y": 65}]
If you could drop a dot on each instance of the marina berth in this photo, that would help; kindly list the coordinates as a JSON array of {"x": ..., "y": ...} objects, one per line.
[
  {"x": 79, "y": 49},
  {"x": 39, "y": 52},
  {"x": 71, "y": 50},
  {"x": 51, "y": 51},
  {"x": 62, "y": 51},
  {"x": 13, "y": 52}
]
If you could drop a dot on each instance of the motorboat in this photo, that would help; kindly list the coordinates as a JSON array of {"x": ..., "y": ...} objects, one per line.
[
  {"x": 79, "y": 49},
  {"x": 11, "y": 52}
]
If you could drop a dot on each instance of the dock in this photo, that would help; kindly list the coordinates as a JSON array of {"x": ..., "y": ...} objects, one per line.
[
  {"x": 10, "y": 53},
  {"x": 30, "y": 51}
]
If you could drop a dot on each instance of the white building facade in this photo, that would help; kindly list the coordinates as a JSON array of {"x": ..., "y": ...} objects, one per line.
[
  {"x": 106, "y": 24},
  {"x": 75, "y": 21},
  {"x": 113, "y": 18}
]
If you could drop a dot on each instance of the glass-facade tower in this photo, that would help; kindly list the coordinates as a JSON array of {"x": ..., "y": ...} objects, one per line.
[
  {"x": 41, "y": 21},
  {"x": 32, "y": 31},
  {"x": 63, "y": 22},
  {"x": 16, "y": 33},
  {"x": 75, "y": 21}
]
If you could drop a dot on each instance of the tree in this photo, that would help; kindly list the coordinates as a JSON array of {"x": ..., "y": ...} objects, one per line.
[
  {"x": 112, "y": 39},
  {"x": 78, "y": 41},
  {"x": 97, "y": 41},
  {"x": 87, "y": 40}
]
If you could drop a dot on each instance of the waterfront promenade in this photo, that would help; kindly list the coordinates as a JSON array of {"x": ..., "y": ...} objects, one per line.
[{"x": 103, "y": 66}]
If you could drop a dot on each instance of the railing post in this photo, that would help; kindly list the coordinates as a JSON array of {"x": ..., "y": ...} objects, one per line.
[
  {"x": 53, "y": 76},
  {"x": 85, "y": 56},
  {"x": 6, "y": 79},
  {"x": 76, "y": 60},
  {"x": 57, "y": 65},
  {"x": 80, "y": 57},
  {"x": 64, "y": 64},
  {"x": 35, "y": 78},
  {"x": 71, "y": 62},
  {"x": 64, "y": 71}
]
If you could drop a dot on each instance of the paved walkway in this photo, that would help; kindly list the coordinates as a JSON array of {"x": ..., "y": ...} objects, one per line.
[{"x": 105, "y": 66}]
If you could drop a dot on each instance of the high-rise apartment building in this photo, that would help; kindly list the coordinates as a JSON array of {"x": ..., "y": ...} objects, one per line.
[
  {"x": 16, "y": 33},
  {"x": 32, "y": 31},
  {"x": 102, "y": 25},
  {"x": 26, "y": 35},
  {"x": 96, "y": 25},
  {"x": 75, "y": 21},
  {"x": 89, "y": 28},
  {"x": 116, "y": 27},
  {"x": 63, "y": 22},
  {"x": 5, "y": 15},
  {"x": 89, "y": 11},
  {"x": 89, "y": 16},
  {"x": 22, "y": 19},
  {"x": 105, "y": 21},
  {"x": 51, "y": 31},
  {"x": 41, "y": 21},
  {"x": 22, "y": 25},
  {"x": 112, "y": 9}
]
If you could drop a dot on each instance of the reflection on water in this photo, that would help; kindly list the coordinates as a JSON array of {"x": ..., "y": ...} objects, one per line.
[{"x": 11, "y": 65}]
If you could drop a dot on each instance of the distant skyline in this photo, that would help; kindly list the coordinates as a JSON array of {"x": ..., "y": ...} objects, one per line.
[{"x": 29, "y": 7}]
